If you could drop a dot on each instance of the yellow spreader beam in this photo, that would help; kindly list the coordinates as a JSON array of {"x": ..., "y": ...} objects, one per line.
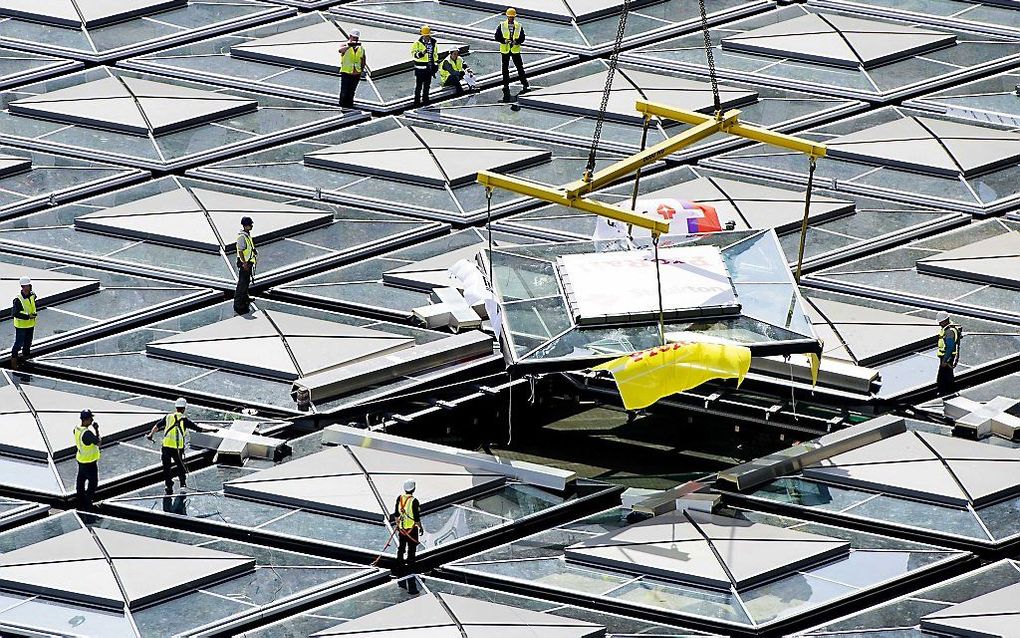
[{"x": 703, "y": 126}]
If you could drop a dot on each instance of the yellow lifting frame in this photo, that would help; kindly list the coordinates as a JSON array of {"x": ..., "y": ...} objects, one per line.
[{"x": 703, "y": 126}]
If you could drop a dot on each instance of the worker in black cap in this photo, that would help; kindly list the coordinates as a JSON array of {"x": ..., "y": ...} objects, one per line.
[
  {"x": 86, "y": 443},
  {"x": 247, "y": 256}
]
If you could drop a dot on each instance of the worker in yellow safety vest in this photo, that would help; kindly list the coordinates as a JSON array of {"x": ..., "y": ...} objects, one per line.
[
  {"x": 950, "y": 336},
  {"x": 407, "y": 523},
  {"x": 24, "y": 312},
  {"x": 425, "y": 54},
  {"x": 452, "y": 70},
  {"x": 510, "y": 36},
  {"x": 174, "y": 426},
  {"x": 86, "y": 444},
  {"x": 352, "y": 66},
  {"x": 247, "y": 257}
]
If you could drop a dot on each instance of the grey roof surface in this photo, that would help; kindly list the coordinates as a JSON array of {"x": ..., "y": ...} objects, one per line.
[
  {"x": 991, "y": 260},
  {"x": 704, "y": 549},
  {"x": 362, "y": 482},
  {"x": 124, "y": 570},
  {"x": 438, "y": 615},
  {"x": 927, "y": 467},
  {"x": 839, "y": 40},
  {"x": 993, "y": 615},
  {"x": 426, "y": 156},
  {"x": 88, "y": 13}
]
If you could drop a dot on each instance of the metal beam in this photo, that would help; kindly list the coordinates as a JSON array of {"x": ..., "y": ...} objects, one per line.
[
  {"x": 749, "y": 131},
  {"x": 555, "y": 196},
  {"x": 665, "y": 148}
]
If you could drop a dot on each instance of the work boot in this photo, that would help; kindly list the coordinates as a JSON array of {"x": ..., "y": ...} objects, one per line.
[
  {"x": 506, "y": 96},
  {"x": 14, "y": 362},
  {"x": 525, "y": 88}
]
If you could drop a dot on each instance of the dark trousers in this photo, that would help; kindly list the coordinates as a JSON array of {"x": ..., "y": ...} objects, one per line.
[
  {"x": 170, "y": 457},
  {"x": 23, "y": 342},
  {"x": 519, "y": 64},
  {"x": 454, "y": 83},
  {"x": 85, "y": 485},
  {"x": 945, "y": 382},
  {"x": 348, "y": 86},
  {"x": 242, "y": 302},
  {"x": 422, "y": 84},
  {"x": 407, "y": 541}
]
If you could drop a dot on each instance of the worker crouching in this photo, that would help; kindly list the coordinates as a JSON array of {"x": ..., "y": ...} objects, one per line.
[
  {"x": 406, "y": 520},
  {"x": 453, "y": 71}
]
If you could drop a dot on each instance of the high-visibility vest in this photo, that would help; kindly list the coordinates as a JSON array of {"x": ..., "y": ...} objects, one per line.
[
  {"x": 506, "y": 47},
  {"x": 449, "y": 66},
  {"x": 248, "y": 253},
  {"x": 86, "y": 453},
  {"x": 352, "y": 62},
  {"x": 173, "y": 431},
  {"x": 955, "y": 356},
  {"x": 405, "y": 506},
  {"x": 420, "y": 53},
  {"x": 28, "y": 306}
]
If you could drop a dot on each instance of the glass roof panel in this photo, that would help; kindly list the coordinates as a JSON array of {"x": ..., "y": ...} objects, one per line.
[
  {"x": 969, "y": 605},
  {"x": 993, "y": 99},
  {"x": 297, "y": 58},
  {"x": 563, "y": 104},
  {"x": 874, "y": 561},
  {"x": 805, "y": 47},
  {"x": 107, "y": 113},
  {"x": 404, "y": 178},
  {"x": 141, "y": 575},
  {"x": 163, "y": 355},
  {"x": 185, "y": 229},
  {"x": 100, "y": 31},
  {"x": 339, "y": 498},
  {"x": 927, "y": 158},
  {"x": 20, "y": 66},
  {"x": 988, "y": 16},
  {"x": 585, "y": 27}
]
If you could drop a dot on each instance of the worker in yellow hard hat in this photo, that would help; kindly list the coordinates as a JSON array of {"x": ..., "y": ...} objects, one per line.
[
  {"x": 510, "y": 36},
  {"x": 425, "y": 53}
]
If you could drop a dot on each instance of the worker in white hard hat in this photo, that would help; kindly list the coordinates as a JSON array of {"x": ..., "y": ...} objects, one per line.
[
  {"x": 353, "y": 61},
  {"x": 425, "y": 55},
  {"x": 510, "y": 36},
  {"x": 950, "y": 336},
  {"x": 407, "y": 521},
  {"x": 24, "y": 312},
  {"x": 174, "y": 426}
]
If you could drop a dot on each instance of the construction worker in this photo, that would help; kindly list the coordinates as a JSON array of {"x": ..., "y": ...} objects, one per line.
[
  {"x": 247, "y": 256},
  {"x": 425, "y": 53},
  {"x": 452, "y": 71},
  {"x": 950, "y": 336},
  {"x": 407, "y": 521},
  {"x": 174, "y": 425},
  {"x": 352, "y": 65},
  {"x": 510, "y": 35},
  {"x": 24, "y": 313},
  {"x": 86, "y": 442}
]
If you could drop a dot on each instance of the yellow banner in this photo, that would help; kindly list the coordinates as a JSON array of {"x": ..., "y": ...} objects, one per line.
[{"x": 648, "y": 375}]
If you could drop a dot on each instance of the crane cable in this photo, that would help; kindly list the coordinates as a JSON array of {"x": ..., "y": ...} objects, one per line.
[{"x": 614, "y": 58}]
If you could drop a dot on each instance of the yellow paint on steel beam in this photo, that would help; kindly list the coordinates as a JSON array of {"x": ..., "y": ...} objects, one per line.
[
  {"x": 556, "y": 196},
  {"x": 652, "y": 154},
  {"x": 747, "y": 131}
]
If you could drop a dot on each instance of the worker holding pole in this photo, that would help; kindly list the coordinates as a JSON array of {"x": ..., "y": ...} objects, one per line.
[
  {"x": 247, "y": 256},
  {"x": 352, "y": 65},
  {"x": 407, "y": 523},
  {"x": 86, "y": 443},
  {"x": 24, "y": 312},
  {"x": 174, "y": 426},
  {"x": 510, "y": 36},
  {"x": 425, "y": 54}
]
